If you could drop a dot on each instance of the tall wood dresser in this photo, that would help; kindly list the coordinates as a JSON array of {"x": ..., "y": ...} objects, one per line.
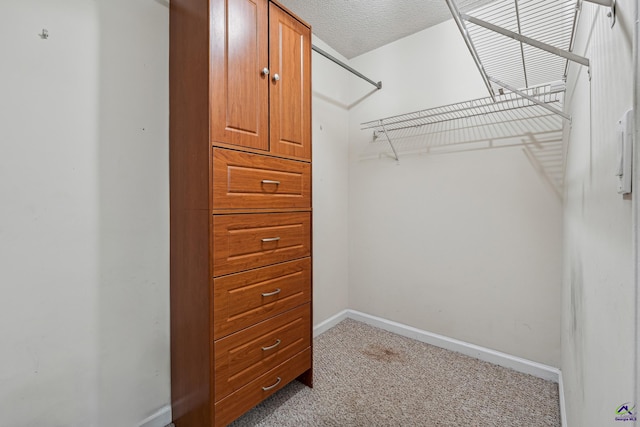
[{"x": 240, "y": 171}]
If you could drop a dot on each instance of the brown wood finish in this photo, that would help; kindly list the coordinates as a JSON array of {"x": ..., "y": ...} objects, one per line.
[
  {"x": 290, "y": 97},
  {"x": 239, "y": 90},
  {"x": 306, "y": 377},
  {"x": 249, "y": 241},
  {"x": 253, "y": 393},
  {"x": 189, "y": 212},
  {"x": 254, "y": 181},
  {"x": 245, "y": 355},
  {"x": 238, "y": 300}
]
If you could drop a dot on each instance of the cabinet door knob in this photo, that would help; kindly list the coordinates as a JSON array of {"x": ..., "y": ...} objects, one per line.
[
  {"x": 265, "y": 71},
  {"x": 276, "y": 77}
]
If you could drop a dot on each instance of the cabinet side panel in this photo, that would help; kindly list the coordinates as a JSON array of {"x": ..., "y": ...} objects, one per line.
[
  {"x": 190, "y": 212},
  {"x": 190, "y": 347},
  {"x": 189, "y": 103}
]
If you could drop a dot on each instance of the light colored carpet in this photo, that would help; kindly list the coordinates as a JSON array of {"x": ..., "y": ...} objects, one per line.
[{"x": 364, "y": 376}]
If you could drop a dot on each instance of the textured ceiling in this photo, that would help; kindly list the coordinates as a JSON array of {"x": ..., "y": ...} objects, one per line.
[{"x": 353, "y": 27}]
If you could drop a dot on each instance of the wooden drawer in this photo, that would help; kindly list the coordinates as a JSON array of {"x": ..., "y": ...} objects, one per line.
[
  {"x": 253, "y": 393},
  {"x": 244, "y": 299},
  {"x": 246, "y": 241},
  {"x": 242, "y": 357},
  {"x": 251, "y": 181}
]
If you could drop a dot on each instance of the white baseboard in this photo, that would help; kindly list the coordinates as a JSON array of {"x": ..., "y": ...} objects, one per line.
[
  {"x": 324, "y": 326},
  {"x": 563, "y": 407},
  {"x": 482, "y": 353},
  {"x": 161, "y": 418}
]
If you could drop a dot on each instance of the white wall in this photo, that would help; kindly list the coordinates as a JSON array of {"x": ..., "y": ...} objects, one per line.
[
  {"x": 465, "y": 243},
  {"x": 598, "y": 289},
  {"x": 84, "y": 218},
  {"x": 330, "y": 186}
]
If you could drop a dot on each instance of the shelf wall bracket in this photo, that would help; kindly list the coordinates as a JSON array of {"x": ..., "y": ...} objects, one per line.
[
  {"x": 611, "y": 4},
  {"x": 457, "y": 17},
  {"x": 528, "y": 40},
  {"x": 532, "y": 99}
]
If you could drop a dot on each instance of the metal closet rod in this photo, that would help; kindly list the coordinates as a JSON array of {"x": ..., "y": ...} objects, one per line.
[{"x": 345, "y": 66}]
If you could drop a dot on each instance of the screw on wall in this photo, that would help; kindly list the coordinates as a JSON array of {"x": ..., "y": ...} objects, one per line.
[
  {"x": 612, "y": 13},
  {"x": 44, "y": 34},
  {"x": 611, "y": 4}
]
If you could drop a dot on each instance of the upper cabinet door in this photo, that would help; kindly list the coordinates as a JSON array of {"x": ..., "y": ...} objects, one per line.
[
  {"x": 290, "y": 85},
  {"x": 240, "y": 73}
]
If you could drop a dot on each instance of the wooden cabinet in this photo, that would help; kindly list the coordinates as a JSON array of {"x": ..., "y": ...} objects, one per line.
[
  {"x": 260, "y": 78},
  {"x": 240, "y": 164}
]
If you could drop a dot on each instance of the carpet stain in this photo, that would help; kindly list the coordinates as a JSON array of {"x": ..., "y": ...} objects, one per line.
[{"x": 382, "y": 354}]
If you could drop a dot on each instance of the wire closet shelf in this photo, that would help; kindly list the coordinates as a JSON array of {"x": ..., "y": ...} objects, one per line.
[
  {"x": 524, "y": 43},
  {"x": 485, "y": 108}
]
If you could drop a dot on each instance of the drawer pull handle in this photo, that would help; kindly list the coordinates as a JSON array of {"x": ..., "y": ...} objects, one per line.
[
  {"x": 271, "y": 239},
  {"x": 268, "y": 181},
  {"x": 270, "y": 294},
  {"x": 272, "y": 386},
  {"x": 271, "y": 347}
]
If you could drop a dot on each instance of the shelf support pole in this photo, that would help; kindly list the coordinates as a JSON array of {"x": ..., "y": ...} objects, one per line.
[
  {"x": 457, "y": 17},
  {"x": 395, "y": 153},
  {"x": 528, "y": 40},
  {"x": 532, "y": 99}
]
